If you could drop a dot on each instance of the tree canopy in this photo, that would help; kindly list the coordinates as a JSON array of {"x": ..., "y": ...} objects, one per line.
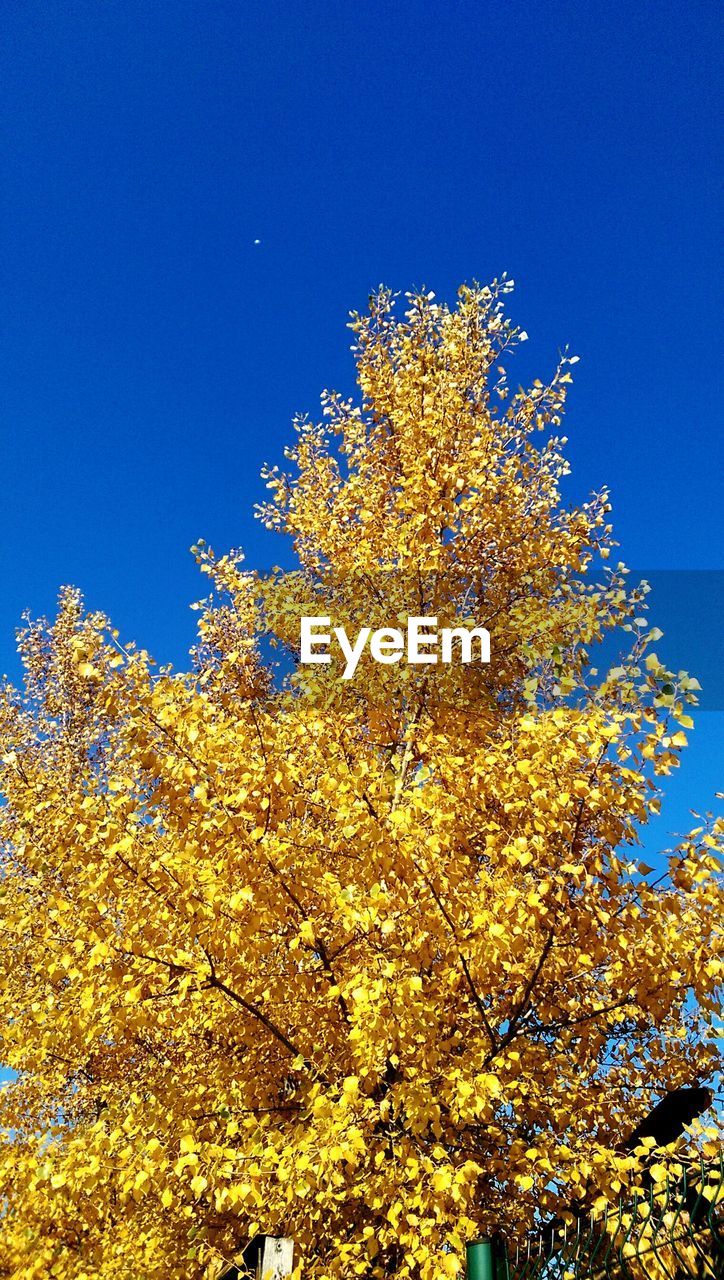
[{"x": 375, "y": 963}]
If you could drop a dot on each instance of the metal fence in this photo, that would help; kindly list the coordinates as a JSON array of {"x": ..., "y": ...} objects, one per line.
[{"x": 669, "y": 1232}]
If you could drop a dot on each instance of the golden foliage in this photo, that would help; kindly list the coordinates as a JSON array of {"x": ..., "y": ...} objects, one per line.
[{"x": 370, "y": 964}]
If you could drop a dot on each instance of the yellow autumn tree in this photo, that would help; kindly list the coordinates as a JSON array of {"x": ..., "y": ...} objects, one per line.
[{"x": 371, "y": 963}]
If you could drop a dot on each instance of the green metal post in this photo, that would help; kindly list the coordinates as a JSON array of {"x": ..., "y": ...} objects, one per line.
[{"x": 480, "y": 1260}]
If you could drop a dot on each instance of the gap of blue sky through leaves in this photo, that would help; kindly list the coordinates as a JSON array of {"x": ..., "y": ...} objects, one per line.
[{"x": 194, "y": 195}]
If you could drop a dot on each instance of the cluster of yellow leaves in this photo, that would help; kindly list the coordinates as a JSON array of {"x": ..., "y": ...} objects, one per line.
[{"x": 373, "y": 965}]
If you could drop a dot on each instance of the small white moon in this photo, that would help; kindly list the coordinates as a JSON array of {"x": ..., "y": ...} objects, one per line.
[{"x": 257, "y": 242}]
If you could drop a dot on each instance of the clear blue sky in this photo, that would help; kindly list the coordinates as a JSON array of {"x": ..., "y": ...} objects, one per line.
[{"x": 153, "y": 354}]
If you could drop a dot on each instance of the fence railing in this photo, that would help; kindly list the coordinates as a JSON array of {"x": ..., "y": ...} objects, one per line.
[{"x": 669, "y": 1232}]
